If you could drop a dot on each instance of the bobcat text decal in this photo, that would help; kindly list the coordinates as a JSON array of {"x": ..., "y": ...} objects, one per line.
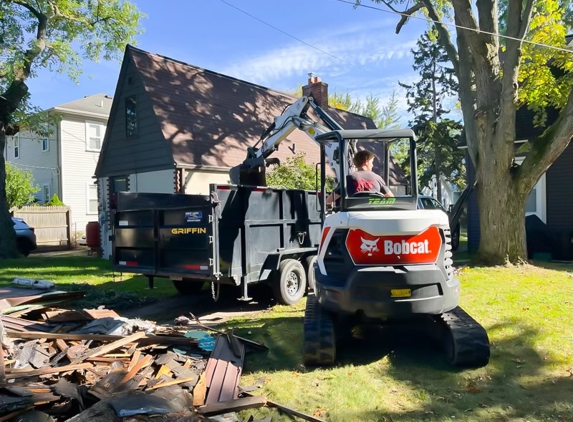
[{"x": 422, "y": 248}]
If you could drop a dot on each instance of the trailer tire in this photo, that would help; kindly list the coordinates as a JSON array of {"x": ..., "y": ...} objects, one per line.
[
  {"x": 310, "y": 277},
  {"x": 188, "y": 287},
  {"x": 289, "y": 284}
]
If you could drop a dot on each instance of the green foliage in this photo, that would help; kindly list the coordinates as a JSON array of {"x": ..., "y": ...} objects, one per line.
[
  {"x": 295, "y": 173},
  {"x": 55, "y": 201},
  {"x": 20, "y": 188},
  {"x": 437, "y": 135},
  {"x": 546, "y": 76}
]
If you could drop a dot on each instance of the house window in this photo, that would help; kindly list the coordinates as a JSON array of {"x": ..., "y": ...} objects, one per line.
[
  {"x": 535, "y": 203},
  {"x": 16, "y": 141},
  {"x": 45, "y": 144},
  {"x": 92, "y": 204},
  {"x": 130, "y": 116},
  {"x": 94, "y": 136},
  {"x": 46, "y": 190}
]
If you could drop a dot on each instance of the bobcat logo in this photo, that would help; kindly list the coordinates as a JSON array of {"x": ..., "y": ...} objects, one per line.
[{"x": 369, "y": 246}]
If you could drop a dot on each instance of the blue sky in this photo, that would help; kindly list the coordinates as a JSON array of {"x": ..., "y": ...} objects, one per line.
[{"x": 365, "y": 55}]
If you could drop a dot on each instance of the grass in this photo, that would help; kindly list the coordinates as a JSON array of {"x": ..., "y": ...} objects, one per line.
[
  {"x": 91, "y": 274},
  {"x": 528, "y": 313}
]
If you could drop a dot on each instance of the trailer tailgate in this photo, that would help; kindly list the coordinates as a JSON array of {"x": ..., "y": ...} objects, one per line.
[{"x": 164, "y": 235}]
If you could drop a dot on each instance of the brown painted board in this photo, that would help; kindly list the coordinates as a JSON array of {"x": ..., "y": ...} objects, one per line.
[
  {"x": 225, "y": 372},
  {"x": 232, "y": 405}
]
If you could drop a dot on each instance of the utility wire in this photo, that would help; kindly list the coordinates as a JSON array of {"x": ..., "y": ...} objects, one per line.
[
  {"x": 287, "y": 34},
  {"x": 566, "y": 50}
]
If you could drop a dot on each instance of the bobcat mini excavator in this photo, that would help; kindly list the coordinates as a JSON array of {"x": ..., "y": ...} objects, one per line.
[{"x": 381, "y": 259}]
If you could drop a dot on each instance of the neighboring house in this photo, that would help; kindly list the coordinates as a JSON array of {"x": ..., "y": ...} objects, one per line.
[
  {"x": 176, "y": 128},
  {"x": 64, "y": 163}
]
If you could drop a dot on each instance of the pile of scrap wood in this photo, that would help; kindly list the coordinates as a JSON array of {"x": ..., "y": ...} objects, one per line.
[{"x": 93, "y": 365}]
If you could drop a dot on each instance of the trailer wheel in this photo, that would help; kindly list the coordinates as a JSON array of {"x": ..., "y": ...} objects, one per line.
[
  {"x": 188, "y": 287},
  {"x": 310, "y": 277},
  {"x": 289, "y": 285}
]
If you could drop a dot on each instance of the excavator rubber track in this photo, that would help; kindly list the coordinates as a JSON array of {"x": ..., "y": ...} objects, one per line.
[
  {"x": 319, "y": 341},
  {"x": 465, "y": 341}
]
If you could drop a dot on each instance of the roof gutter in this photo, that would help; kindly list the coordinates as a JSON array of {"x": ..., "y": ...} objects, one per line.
[{"x": 81, "y": 113}]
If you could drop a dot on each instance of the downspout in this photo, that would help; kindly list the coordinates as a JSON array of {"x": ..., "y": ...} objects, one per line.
[{"x": 60, "y": 152}]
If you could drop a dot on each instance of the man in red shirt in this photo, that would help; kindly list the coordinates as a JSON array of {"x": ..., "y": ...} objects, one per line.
[{"x": 363, "y": 179}]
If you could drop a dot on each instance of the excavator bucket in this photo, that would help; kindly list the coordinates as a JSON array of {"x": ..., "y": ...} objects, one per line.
[{"x": 245, "y": 175}]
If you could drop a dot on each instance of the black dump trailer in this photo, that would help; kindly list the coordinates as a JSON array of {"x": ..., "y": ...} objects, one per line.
[{"x": 236, "y": 235}]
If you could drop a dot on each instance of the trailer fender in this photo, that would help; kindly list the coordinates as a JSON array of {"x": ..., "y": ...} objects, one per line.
[{"x": 273, "y": 261}]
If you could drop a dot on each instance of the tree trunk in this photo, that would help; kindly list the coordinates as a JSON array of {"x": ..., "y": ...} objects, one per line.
[
  {"x": 501, "y": 212},
  {"x": 7, "y": 233}
]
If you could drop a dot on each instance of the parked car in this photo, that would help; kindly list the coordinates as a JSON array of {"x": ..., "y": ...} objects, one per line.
[
  {"x": 25, "y": 236},
  {"x": 427, "y": 202}
]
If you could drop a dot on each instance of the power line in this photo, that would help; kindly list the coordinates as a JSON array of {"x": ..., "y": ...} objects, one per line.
[
  {"x": 286, "y": 33},
  {"x": 393, "y": 12}
]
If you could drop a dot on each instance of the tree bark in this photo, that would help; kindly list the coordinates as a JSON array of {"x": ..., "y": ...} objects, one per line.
[
  {"x": 502, "y": 216},
  {"x": 7, "y": 233}
]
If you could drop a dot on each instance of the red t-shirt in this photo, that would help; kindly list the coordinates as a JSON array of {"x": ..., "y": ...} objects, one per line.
[{"x": 364, "y": 180}]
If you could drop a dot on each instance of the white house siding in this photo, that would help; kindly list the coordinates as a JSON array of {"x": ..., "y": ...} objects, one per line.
[
  {"x": 198, "y": 181},
  {"x": 79, "y": 161},
  {"x": 161, "y": 181},
  {"x": 42, "y": 164}
]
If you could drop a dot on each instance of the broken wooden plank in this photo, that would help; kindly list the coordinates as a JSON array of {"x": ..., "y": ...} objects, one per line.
[
  {"x": 147, "y": 339},
  {"x": 22, "y": 373},
  {"x": 143, "y": 363},
  {"x": 174, "y": 382},
  {"x": 232, "y": 405},
  {"x": 287, "y": 410},
  {"x": 102, "y": 350},
  {"x": 200, "y": 391}
]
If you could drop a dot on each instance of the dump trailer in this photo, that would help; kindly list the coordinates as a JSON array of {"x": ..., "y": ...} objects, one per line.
[{"x": 236, "y": 235}]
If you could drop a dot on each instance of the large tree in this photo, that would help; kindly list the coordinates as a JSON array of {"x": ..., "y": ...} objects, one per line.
[
  {"x": 488, "y": 59},
  {"x": 437, "y": 150},
  {"x": 54, "y": 35}
]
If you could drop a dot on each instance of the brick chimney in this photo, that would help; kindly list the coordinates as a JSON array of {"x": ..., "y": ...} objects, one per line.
[{"x": 317, "y": 89}]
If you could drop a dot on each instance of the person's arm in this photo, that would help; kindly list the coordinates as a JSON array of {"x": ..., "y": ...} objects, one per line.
[
  {"x": 331, "y": 198},
  {"x": 384, "y": 188}
]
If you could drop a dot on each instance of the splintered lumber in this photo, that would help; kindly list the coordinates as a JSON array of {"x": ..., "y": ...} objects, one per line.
[
  {"x": 142, "y": 363},
  {"x": 287, "y": 410},
  {"x": 232, "y": 405},
  {"x": 200, "y": 391},
  {"x": 22, "y": 373},
  {"x": 102, "y": 350},
  {"x": 34, "y": 335},
  {"x": 174, "y": 382}
]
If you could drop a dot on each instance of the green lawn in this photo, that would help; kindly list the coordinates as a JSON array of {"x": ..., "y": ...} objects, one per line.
[
  {"x": 527, "y": 310},
  {"x": 528, "y": 314},
  {"x": 103, "y": 286}
]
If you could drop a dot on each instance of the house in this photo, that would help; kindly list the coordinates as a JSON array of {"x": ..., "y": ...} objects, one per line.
[
  {"x": 64, "y": 162},
  {"x": 176, "y": 128}
]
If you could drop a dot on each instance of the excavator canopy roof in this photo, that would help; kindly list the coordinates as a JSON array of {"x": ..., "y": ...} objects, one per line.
[{"x": 384, "y": 135}]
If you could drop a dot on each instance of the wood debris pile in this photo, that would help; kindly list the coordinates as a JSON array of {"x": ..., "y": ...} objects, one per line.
[{"x": 93, "y": 365}]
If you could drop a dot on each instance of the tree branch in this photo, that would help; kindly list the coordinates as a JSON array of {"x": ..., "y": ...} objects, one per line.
[
  {"x": 444, "y": 35},
  {"x": 525, "y": 19},
  {"x": 546, "y": 149},
  {"x": 32, "y": 10},
  {"x": 405, "y": 14}
]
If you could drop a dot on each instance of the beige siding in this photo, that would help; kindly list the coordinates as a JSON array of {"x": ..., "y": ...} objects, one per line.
[
  {"x": 42, "y": 164},
  {"x": 161, "y": 181},
  {"x": 79, "y": 160},
  {"x": 198, "y": 181}
]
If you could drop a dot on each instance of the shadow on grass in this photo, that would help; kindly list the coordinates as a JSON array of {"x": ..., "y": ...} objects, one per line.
[{"x": 518, "y": 383}]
